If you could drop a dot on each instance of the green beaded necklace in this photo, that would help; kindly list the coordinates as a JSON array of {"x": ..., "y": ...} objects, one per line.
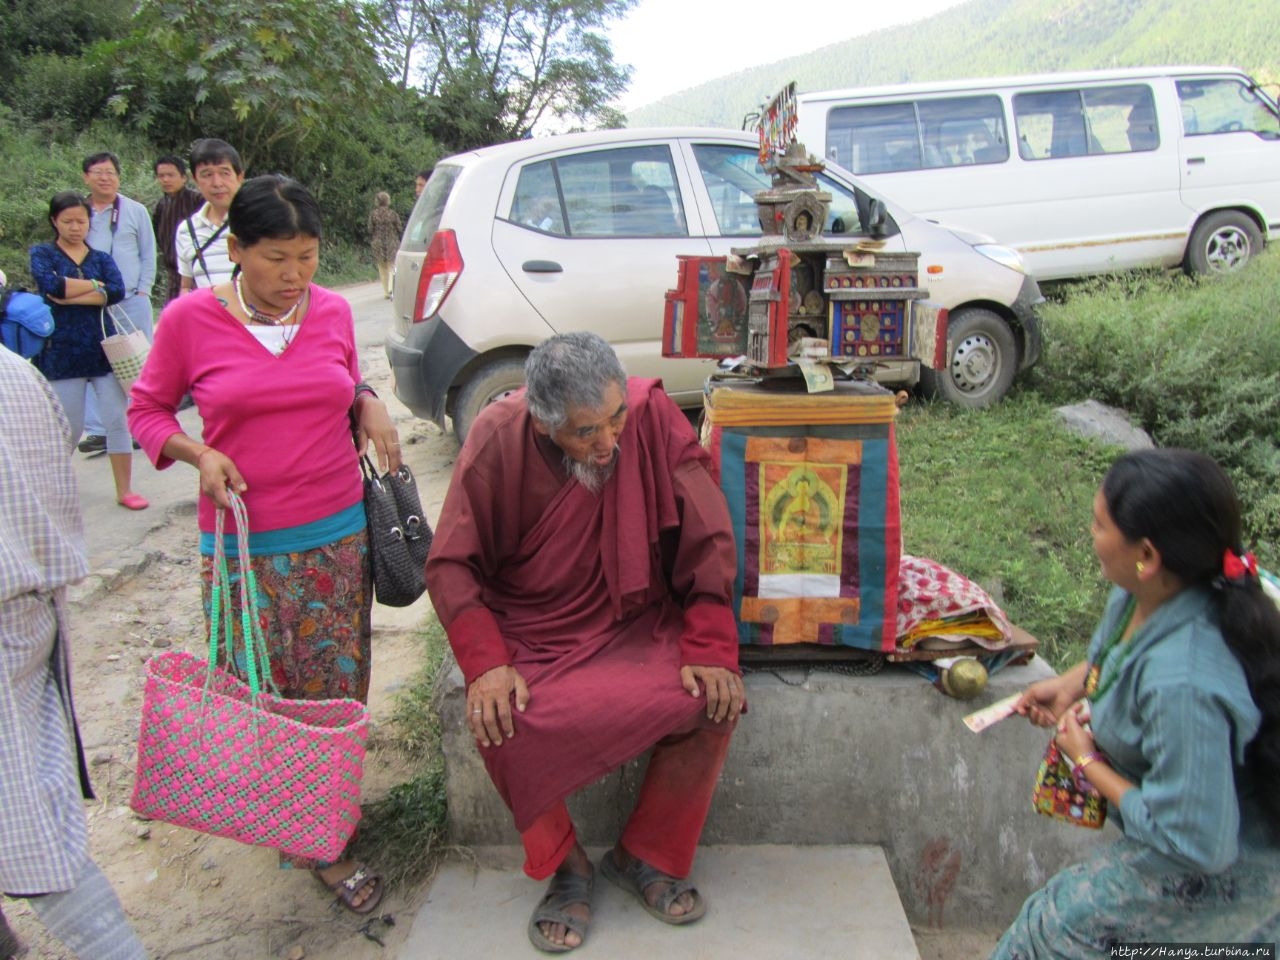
[{"x": 1092, "y": 689}]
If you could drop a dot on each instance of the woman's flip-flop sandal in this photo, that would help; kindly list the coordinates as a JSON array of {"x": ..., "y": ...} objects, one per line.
[
  {"x": 565, "y": 889},
  {"x": 637, "y": 875},
  {"x": 347, "y": 888}
]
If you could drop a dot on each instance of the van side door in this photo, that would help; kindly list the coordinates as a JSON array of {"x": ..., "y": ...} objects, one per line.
[{"x": 1230, "y": 147}]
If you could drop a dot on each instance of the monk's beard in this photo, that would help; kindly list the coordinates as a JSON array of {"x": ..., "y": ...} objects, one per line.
[{"x": 591, "y": 475}]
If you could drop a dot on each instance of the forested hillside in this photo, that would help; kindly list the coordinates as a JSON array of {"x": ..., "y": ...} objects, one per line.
[{"x": 988, "y": 38}]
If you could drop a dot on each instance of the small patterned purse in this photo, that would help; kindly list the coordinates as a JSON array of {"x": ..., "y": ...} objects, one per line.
[{"x": 1060, "y": 794}]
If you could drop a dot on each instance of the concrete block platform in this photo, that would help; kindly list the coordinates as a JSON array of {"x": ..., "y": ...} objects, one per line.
[
  {"x": 823, "y": 758},
  {"x": 766, "y": 902}
]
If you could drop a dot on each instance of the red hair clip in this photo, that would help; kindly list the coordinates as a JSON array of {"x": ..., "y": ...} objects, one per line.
[{"x": 1237, "y": 566}]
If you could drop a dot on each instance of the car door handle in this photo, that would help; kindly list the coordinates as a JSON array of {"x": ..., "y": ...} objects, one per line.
[
  {"x": 541, "y": 266},
  {"x": 1194, "y": 160}
]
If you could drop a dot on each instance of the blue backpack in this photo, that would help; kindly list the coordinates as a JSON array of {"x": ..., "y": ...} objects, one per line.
[{"x": 25, "y": 322}]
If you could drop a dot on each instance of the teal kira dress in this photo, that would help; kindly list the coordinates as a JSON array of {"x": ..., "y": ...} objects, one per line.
[{"x": 1195, "y": 862}]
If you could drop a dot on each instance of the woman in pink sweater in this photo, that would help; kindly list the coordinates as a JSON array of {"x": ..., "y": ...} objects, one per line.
[{"x": 270, "y": 361}]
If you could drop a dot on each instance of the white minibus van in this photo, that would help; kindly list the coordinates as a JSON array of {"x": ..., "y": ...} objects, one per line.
[{"x": 1082, "y": 173}]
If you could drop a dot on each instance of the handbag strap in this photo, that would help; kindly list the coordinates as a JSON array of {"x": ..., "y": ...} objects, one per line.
[
  {"x": 118, "y": 313},
  {"x": 257, "y": 660}
]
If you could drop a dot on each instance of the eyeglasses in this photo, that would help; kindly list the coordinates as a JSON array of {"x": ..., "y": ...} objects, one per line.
[{"x": 107, "y": 172}]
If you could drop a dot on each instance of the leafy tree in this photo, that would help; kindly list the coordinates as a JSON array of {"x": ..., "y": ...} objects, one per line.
[
  {"x": 400, "y": 26},
  {"x": 516, "y": 63},
  {"x": 56, "y": 27},
  {"x": 271, "y": 76}
]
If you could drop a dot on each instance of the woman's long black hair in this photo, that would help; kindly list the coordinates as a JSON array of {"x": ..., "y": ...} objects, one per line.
[{"x": 1185, "y": 505}]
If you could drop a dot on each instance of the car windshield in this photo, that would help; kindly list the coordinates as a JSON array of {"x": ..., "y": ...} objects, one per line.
[
  {"x": 425, "y": 218},
  {"x": 733, "y": 176}
]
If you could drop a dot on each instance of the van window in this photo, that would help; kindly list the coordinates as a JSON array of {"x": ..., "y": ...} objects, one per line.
[
  {"x": 733, "y": 176},
  {"x": 1224, "y": 106},
  {"x": 916, "y": 135},
  {"x": 629, "y": 192},
  {"x": 1085, "y": 122},
  {"x": 960, "y": 131},
  {"x": 425, "y": 218}
]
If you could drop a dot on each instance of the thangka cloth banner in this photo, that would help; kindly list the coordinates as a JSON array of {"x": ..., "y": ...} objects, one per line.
[{"x": 812, "y": 487}]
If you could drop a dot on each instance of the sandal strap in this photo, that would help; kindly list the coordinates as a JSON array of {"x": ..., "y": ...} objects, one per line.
[
  {"x": 360, "y": 878},
  {"x": 638, "y": 875},
  {"x": 567, "y": 888},
  {"x": 669, "y": 895},
  {"x": 642, "y": 874},
  {"x": 547, "y": 915}
]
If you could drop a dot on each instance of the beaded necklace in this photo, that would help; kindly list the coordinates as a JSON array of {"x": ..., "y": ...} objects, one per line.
[
  {"x": 257, "y": 316},
  {"x": 1092, "y": 688}
]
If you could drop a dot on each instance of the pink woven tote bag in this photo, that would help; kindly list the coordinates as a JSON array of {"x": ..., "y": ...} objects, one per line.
[{"x": 224, "y": 757}]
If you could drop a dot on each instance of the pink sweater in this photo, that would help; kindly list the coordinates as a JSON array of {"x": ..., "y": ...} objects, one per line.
[{"x": 282, "y": 420}]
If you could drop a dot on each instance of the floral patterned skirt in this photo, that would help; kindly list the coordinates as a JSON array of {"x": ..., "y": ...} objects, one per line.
[{"x": 314, "y": 607}]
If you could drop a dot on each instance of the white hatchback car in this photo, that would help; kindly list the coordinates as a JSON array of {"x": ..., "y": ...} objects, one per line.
[{"x": 510, "y": 244}]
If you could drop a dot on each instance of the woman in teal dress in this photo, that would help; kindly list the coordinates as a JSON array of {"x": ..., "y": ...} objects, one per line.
[{"x": 1183, "y": 680}]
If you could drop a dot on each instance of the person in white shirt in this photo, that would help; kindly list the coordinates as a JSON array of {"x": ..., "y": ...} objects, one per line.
[{"x": 201, "y": 239}]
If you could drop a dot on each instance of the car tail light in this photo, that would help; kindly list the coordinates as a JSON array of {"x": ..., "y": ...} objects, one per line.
[{"x": 440, "y": 271}]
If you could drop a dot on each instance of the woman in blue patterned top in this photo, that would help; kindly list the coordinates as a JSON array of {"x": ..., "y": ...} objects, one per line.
[
  {"x": 1183, "y": 680},
  {"x": 79, "y": 282}
]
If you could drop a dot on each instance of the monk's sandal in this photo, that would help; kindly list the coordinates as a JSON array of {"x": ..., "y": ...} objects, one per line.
[{"x": 566, "y": 889}]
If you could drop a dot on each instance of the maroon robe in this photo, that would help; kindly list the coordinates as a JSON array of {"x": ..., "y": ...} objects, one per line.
[{"x": 597, "y": 600}]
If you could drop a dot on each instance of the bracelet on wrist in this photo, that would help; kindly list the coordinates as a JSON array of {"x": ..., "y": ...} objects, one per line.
[
  {"x": 364, "y": 390},
  {"x": 1078, "y": 773}
]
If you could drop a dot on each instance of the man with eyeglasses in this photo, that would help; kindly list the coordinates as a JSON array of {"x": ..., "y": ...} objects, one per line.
[{"x": 120, "y": 227}]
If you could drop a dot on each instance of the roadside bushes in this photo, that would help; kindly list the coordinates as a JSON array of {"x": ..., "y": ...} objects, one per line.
[{"x": 1196, "y": 363}]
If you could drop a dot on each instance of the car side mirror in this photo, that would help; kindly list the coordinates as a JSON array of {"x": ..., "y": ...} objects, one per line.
[{"x": 875, "y": 218}]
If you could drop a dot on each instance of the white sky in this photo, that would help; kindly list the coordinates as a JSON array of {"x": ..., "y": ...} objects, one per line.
[{"x": 676, "y": 44}]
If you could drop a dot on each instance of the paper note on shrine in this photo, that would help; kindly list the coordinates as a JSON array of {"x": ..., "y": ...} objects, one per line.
[
  {"x": 988, "y": 716},
  {"x": 817, "y": 378}
]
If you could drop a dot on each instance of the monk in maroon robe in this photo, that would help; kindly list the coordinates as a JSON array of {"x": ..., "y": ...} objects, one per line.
[{"x": 583, "y": 569}]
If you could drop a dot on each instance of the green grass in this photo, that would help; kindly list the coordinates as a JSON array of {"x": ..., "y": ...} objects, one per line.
[
  {"x": 404, "y": 831},
  {"x": 342, "y": 263},
  {"x": 1003, "y": 496}
]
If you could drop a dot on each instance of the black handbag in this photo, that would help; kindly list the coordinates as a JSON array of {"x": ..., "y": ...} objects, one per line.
[{"x": 399, "y": 534}]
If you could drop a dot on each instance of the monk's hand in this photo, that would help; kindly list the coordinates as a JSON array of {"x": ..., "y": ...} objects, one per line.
[
  {"x": 489, "y": 704},
  {"x": 725, "y": 691}
]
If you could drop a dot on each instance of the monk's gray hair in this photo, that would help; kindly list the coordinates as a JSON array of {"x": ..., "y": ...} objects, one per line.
[{"x": 570, "y": 370}]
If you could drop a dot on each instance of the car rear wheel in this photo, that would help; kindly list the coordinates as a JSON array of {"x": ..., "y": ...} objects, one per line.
[
  {"x": 1223, "y": 242},
  {"x": 982, "y": 358},
  {"x": 493, "y": 381}
]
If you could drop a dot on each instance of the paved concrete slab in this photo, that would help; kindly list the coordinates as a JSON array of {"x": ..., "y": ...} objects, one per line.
[{"x": 763, "y": 902}]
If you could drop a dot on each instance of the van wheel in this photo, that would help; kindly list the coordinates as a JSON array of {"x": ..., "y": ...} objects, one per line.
[
  {"x": 1222, "y": 242},
  {"x": 489, "y": 383},
  {"x": 983, "y": 357}
]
